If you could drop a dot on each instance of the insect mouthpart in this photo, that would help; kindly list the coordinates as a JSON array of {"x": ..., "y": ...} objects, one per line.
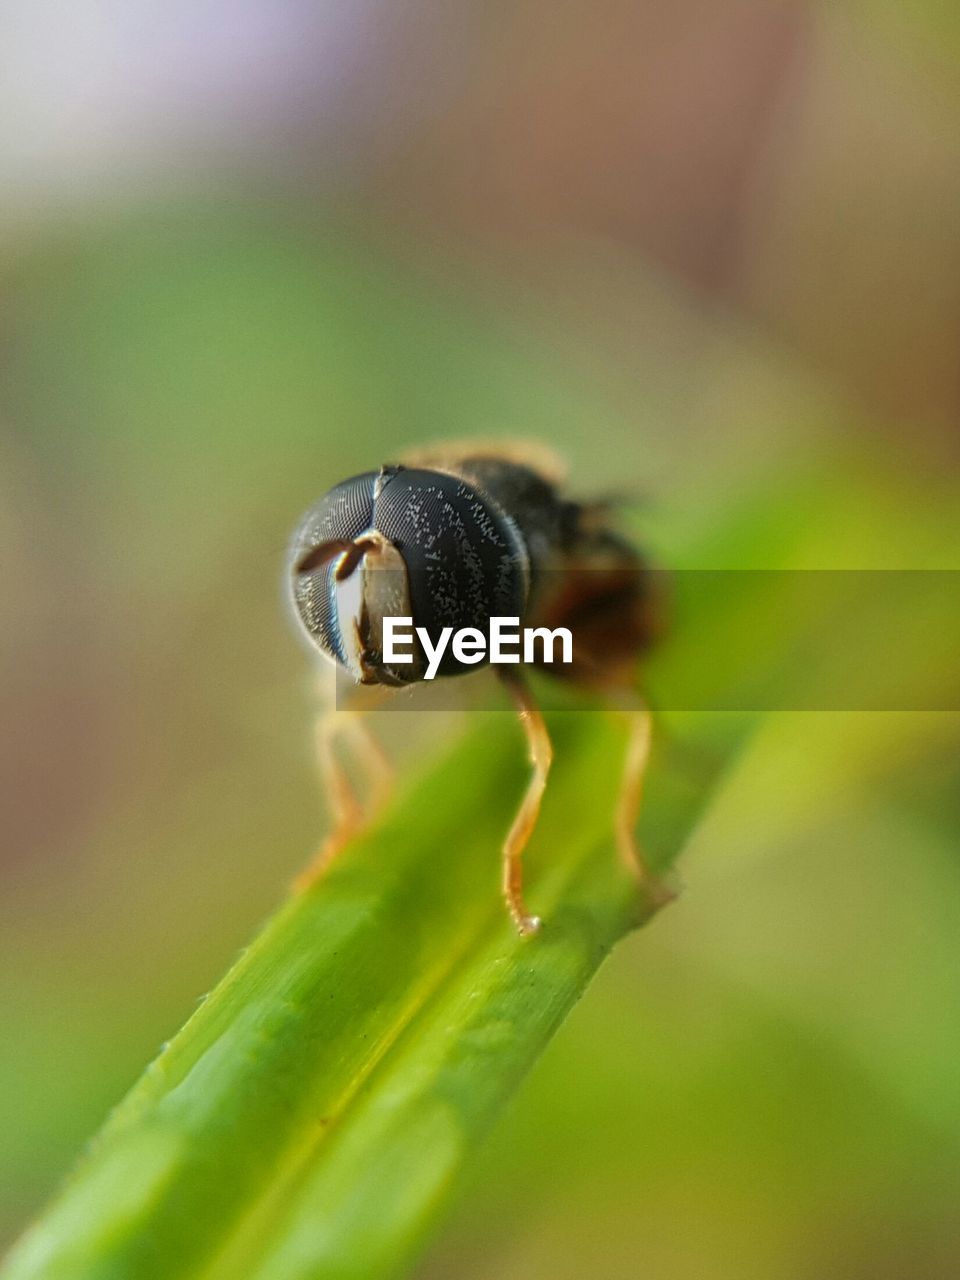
[{"x": 370, "y": 583}]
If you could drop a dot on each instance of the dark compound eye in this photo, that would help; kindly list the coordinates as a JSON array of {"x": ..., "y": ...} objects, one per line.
[
  {"x": 340, "y": 515},
  {"x": 465, "y": 559}
]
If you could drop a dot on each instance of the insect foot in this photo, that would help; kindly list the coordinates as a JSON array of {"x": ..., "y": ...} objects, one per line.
[{"x": 528, "y": 925}]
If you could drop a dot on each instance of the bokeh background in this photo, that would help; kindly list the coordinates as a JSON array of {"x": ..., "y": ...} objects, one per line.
[{"x": 704, "y": 250}]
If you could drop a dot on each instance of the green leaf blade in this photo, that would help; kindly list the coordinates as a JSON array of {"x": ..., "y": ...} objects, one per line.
[{"x": 377, "y": 1024}]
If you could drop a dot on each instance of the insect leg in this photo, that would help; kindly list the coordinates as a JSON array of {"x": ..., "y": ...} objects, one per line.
[
  {"x": 348, "y": 816},
  {"x": 635, "y": 762},
  {"x": 379, "y": 767},
  {"x": 541, "y": 757},
  {"x": 346, "y": 813}
]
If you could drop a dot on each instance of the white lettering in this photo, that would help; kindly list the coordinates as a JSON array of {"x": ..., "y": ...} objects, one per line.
[
  {"x": 499, "y": 636},
  {"x": 434, "y": 655},
  {"x": 391, "y": 639},
  {"x": 469, "y": 646},
  {"x": 532, "y": 634}
]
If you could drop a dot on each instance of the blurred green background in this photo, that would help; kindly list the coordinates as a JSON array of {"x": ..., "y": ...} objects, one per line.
[{"x": 711, "y": 254}]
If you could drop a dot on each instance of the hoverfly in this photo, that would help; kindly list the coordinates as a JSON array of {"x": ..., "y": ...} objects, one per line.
[{"x": 466, "y": 533}]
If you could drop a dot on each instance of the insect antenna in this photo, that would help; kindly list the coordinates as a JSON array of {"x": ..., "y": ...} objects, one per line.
[{"x": 324, "y": 552}]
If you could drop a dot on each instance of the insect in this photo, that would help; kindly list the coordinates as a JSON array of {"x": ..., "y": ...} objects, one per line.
[{"x": 451, "y": 537}]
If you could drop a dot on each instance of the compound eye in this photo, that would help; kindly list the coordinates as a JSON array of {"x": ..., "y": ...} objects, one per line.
[
  {"x": 464, "y": 558},
  {"x": 319, "y": 549}
]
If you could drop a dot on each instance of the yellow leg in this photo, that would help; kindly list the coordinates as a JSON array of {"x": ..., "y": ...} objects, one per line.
[
  {"x": 378, "y": 765},
  {"x": 347, "y": 814},
  {"x": 541, "y": 757},
  {"x": 628, "y": 808}
]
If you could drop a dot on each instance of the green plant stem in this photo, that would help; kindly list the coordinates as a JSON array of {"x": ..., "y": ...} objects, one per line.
[{"x": 311, "y": 1117}]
